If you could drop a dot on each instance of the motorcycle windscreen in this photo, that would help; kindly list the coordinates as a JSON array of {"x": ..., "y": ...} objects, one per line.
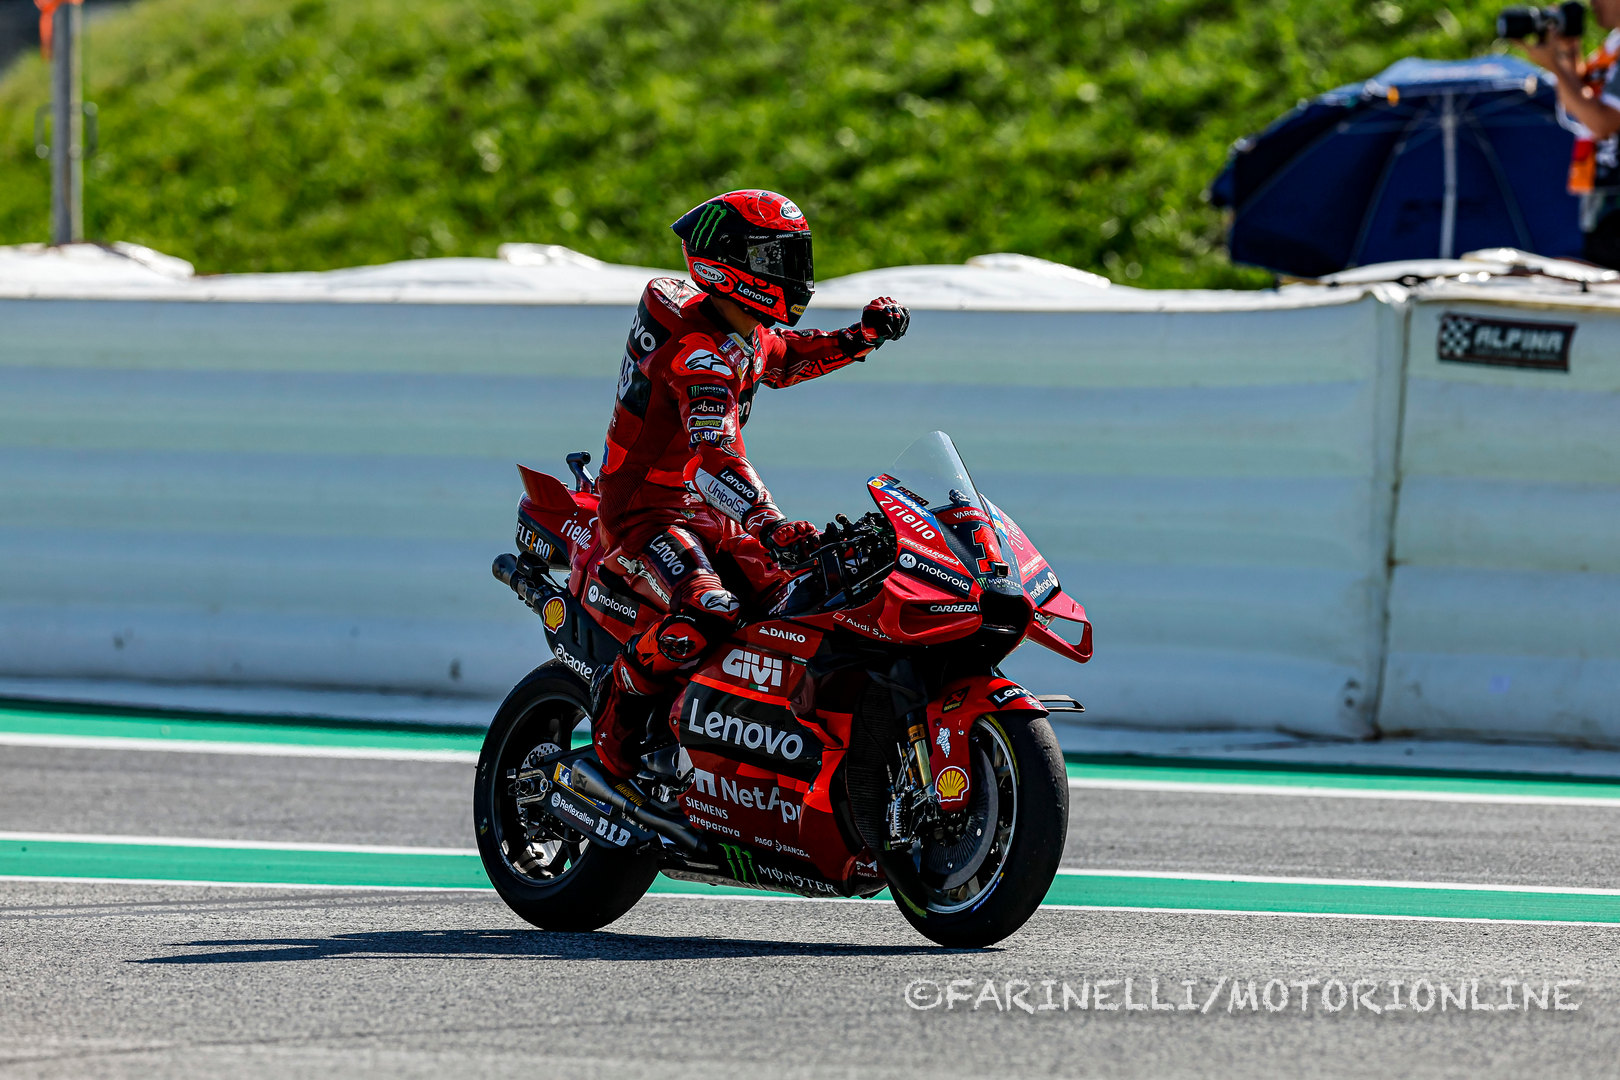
[
  {"x": 1040, "y": 581},
  {"x": 980, "y": 534},
  {"x": 934, "y": 476}
]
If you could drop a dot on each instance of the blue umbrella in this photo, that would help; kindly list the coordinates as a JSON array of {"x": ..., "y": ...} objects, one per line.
[{"x": 1429, "y": 159}]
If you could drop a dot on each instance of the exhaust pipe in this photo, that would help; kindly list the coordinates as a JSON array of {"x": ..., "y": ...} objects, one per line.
[
  {"x": 507, "y": 572},
  {"x": 589, "y": 781}
]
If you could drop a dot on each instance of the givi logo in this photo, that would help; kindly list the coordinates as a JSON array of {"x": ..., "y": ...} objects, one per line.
[{"x": 752, "y": 667}]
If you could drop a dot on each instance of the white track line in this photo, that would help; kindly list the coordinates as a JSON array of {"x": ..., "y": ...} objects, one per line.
[
  {"x": 1260, "y": 879},
  {"x": 1164, "y": 875},
  {"x": 1198, "y": 787},
  {"x": 1328, "y": 915},
  {"x": 250, "y": 749},
  {"x": 765, "y": 897},
  {"x": 304, "y": 886},
  {"x": 252, "y": 845},
  {"x": 469, "y": 757}
]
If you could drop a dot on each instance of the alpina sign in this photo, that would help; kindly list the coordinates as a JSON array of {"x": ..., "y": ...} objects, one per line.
[{"x": 1469, "y": 339}]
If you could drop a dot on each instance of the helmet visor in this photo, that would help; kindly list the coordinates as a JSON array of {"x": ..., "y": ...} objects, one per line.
[{"x": 784, "y": 258}]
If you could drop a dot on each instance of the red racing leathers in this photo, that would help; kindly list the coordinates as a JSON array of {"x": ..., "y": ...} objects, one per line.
[{"x": 677, "y": 488}]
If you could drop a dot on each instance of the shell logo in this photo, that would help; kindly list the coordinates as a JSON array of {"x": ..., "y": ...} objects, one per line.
[
  {"x": 553, "y": 613},
  {"x": 952, "y": 784}
]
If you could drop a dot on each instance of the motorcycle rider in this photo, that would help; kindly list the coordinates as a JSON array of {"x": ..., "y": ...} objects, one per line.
[{"x": 677, "y": 490}]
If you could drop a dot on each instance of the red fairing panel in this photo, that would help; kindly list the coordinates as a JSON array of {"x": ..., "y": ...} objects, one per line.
[
  {"x": 1041, "y": 584},
  {"x": 951, "y": 715}
]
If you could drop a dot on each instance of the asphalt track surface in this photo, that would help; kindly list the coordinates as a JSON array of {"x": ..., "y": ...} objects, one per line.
[{"x": 1179, "y": 873}]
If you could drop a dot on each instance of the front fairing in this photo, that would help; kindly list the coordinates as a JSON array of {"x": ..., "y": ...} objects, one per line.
[
  {"x": 929, "y": 490},
  {"x": 1041, "y": 586}
]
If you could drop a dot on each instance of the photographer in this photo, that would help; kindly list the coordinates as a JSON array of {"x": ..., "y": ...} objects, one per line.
[{"x": 1589, "y": 105}]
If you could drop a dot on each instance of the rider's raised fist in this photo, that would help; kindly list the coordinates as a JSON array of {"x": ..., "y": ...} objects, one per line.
[{"x": 884, "y": 319}]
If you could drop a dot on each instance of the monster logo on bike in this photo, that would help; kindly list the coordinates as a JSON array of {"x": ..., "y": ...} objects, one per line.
[{"x": 740, "y": 861}]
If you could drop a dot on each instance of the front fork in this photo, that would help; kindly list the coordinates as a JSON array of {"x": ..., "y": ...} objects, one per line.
[
  {"x": 918, "y": 734},
  {"x": 913, "y": 805}
]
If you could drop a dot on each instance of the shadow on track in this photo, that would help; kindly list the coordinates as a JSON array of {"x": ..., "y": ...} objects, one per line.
[{"x": 512, "y": 945}]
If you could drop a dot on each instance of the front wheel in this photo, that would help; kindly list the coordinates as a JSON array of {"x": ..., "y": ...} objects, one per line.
[
  {"x": 982, "y": 887},
  {"x": 549, "y": 874}
]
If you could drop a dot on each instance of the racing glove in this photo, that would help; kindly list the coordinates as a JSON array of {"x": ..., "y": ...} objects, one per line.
[
  {"x": 884, "y": 319},
  {"x": 782, "y": 536}
]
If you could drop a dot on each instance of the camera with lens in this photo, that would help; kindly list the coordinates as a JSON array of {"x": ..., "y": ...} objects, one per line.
[{"x": 1519, "y": 23}]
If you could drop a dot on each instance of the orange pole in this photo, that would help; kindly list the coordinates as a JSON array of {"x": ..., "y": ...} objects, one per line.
[{"x": 47, "y": 12}]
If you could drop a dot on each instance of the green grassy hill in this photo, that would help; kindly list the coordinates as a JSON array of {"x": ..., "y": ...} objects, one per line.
[{"x": 306, "y": 134}]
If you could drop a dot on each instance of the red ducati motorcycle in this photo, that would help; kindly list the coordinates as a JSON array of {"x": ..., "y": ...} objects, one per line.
[{"x": 855, "y": 733}]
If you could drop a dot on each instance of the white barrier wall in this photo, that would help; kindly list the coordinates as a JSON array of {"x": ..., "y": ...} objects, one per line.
[
  {"x": 1505, "y": 604},
  {"x": 1212, "y": 482},
  {"x": 282, "y": 493},
  {"x": 310, "y": 493}
]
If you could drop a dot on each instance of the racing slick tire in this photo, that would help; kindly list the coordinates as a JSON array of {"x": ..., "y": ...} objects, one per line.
[
  {"x": 564, "y": 882},
  {"x": 1026, "y": 807}
]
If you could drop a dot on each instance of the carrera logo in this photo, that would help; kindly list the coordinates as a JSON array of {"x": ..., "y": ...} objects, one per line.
[
  {"x": 778, "y": 632},
  {"x": 1469, "y": 339},
  {"x": 605, "y": 601},
  {"x": 748, "y": 734},
  {"x": 753, "y": 668},
  {"x": 952, "y": 609}
]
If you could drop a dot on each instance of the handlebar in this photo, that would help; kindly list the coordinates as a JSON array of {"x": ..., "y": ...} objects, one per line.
[{"x": 852, "y": 556}]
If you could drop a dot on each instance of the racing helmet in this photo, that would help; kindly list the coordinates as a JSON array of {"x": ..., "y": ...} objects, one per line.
[{"x": 752, "y": 247}]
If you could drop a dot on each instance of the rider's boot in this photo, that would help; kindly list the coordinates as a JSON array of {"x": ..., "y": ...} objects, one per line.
[
  {"x": 627, "y": 698},
  {"x": 623, "y": 701}
]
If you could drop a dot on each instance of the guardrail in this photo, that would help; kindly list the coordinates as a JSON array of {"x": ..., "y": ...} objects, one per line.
[{"x": 309, "y": 493}]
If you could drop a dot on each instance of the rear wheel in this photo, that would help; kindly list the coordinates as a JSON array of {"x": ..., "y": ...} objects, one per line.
[
  {"x": 549, "y": 874},
  {"x": 983, "y": 885}
]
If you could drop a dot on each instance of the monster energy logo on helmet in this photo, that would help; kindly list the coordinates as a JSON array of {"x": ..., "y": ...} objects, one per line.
[{"x": 708, "y": 223}]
